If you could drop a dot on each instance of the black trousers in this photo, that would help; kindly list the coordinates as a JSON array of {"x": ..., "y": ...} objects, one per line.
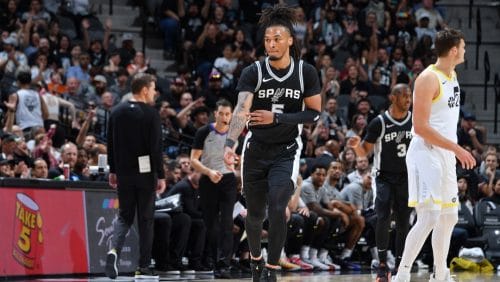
[
  {"x": 217, "y": 203},
  {"x": 392, "y": 194},
  {"x": 181, "y": 226},
  {"x": 136, "y": 192},
  {"x": 196, "y": 242},
  {"x": 268, "y": 183},
  {"x": 161, "y": 240}
]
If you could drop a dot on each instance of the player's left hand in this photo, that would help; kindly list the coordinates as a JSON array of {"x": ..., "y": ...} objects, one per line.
[{"x": 261, "y": 117}]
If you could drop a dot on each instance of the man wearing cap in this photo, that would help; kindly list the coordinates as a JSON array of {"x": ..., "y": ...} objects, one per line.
[
  {"x": 468, "y": 135},
  {"x": 423, "y": 28},
  {"x": 433, "y": 15},
  {"x": 10, "y": 59},
  {"x": 127, "y": 51}
]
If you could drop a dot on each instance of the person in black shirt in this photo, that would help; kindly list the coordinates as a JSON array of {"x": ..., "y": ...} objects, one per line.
[
  {"x": 389, "y": 136},
  {"x": 276, "y": 96},
  {"x": 135, "y": 168}
]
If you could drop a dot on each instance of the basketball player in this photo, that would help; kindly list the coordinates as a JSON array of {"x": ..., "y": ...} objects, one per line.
[
  {"x": 389, "y": 136},
  {"x": 432, "y": 179},
  {"x": 276, "y": 96}
]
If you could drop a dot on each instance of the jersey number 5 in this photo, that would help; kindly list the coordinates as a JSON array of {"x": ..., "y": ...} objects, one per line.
[
  {"x": 401, "y": 150},
  {"x": 278, "y": 108}
]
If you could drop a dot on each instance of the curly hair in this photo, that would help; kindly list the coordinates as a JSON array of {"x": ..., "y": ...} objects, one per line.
[{"x": 281, "y": 15}]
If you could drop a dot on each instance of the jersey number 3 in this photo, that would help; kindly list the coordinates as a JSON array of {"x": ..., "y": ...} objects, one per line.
[
  {"x": 278, "y": 108},
  {"x": 401, "y": 150}
]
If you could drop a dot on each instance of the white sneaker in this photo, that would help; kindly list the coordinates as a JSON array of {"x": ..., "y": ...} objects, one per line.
[
  {"x": 317, "y": 264},
  {"x": 401, "y": 277},
  {"x": 391, "y": 260},
  {"x": 421, "y": 264},
  {"x": 448, "y": 277},
  {"x": 375, "y": 263},
  {"x": 327, "y": 260}
]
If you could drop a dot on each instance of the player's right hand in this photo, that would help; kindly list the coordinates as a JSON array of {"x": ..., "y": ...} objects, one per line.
[
  {"x": 466, "y": 159},
  {"x": 230, "y": 157},
  {"x": 353, "y": 142},
  {"x": 215, "y": 176}
]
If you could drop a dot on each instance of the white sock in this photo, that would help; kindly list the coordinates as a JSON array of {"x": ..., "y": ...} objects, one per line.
[
  {"x": 283, "y": 255},
  {"x": 323, "y": 253},
  {"x": 441, "y": 237},
  {"x": 313, "y": 253},
  {"x": 346, "y": 253},
  {"x": 374, "y": 253},
  {"x": 426, "y": 220},
  {"x": 304, "y": 252}
]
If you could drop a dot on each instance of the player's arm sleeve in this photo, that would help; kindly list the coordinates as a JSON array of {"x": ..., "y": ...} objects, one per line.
[{"x": 373, "y": 130}]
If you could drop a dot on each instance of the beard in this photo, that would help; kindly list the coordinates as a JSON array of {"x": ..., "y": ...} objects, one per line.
[{"x": 274, "y": 58}]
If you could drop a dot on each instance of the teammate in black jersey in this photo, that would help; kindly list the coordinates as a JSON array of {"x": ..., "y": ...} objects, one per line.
[
  {"x": 389, "y": 136},
  {"x": 276, "y": 96}
]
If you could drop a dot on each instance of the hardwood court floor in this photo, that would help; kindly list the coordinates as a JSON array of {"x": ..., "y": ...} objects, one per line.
[{"x": 422, "y": 276}]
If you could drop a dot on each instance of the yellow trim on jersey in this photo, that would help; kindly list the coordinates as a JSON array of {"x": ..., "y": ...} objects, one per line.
[
  {"x": 413, "y": 204},
  {"x": 449, "y": 78},
  {"x": 434, "y": 100}
]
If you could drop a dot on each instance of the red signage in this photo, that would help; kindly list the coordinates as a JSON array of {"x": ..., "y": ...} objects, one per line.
[{"x": 42, "y": 231}]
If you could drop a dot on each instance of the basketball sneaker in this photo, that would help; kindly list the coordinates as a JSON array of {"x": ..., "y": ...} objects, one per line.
[
  {"x": 111, "y": 269},
  {"x": 448, "y": 277},
  {"x": 383, "y": 273},
  {"x": 295, "y": 259},
  {"x": 401, "y": 277},
  {"x": 145, "y": 273},
  {"x": 286, "y": 265},
  {"x": 268, "y": 275},
  {"x": 257, "y": 266}
]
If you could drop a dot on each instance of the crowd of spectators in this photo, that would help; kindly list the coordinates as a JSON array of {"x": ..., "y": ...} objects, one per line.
[{"x": 58, "y": 87}]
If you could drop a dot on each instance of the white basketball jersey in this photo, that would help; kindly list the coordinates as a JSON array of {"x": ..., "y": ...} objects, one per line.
[{"x": 446, "y": 106}]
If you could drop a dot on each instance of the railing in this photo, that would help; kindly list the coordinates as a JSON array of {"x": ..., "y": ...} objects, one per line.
[
  {"x": 471, "y": 3},
  {"x": 486, "y": 78},
  {"x": 479, "y": 37},
  {"x": 496, "y": 87}
]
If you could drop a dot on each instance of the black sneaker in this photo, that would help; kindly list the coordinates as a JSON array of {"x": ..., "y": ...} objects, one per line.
[
  {"x": 383, "y": 273},
  {"x": 201, "y": 269},
  {"x": 268, "y": 275},
  {"x": 222, "y": 270},
  {"x": 184, "y": 269},
  {"x": 111, "y": 269},
  {"x": 168, "y": 270},
  {"x": 145, "y": 273},
  {"x": 256, "y": 267}
]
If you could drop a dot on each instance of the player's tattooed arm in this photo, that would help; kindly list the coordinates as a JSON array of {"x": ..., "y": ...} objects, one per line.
[{"x": 240, "y": 115}]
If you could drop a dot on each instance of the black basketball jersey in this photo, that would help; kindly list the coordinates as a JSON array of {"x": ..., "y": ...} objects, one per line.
[
  {"x": 391, "y": 139},
  {"x": 278, "y": 91}
]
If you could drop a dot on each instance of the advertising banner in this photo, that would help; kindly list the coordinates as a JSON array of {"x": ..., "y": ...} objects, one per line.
[
  {"x": 42, "y": 231},
  {"x": 102, "y": 213}
]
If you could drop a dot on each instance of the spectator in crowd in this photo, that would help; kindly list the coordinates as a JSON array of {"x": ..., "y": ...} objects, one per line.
[
  {"x": 127, "y": 50},
  {"x": 352, "y": 221},
  {"x": 334, "y": 120},
  {"x": 10, "y": 58},
  {"x": 40, "y": 169},
  {"x": 26, "y": 106},
  {"x": 172, "y": 13},
  {"x": 433, "y": 15},
  {"x": 468, "y": 135},
  {"x": 188, "y": 188},
  {"x": 361, "y": 169},
  {"x": 313, "y": 194},
  {"x": 68, "y": 157}
]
